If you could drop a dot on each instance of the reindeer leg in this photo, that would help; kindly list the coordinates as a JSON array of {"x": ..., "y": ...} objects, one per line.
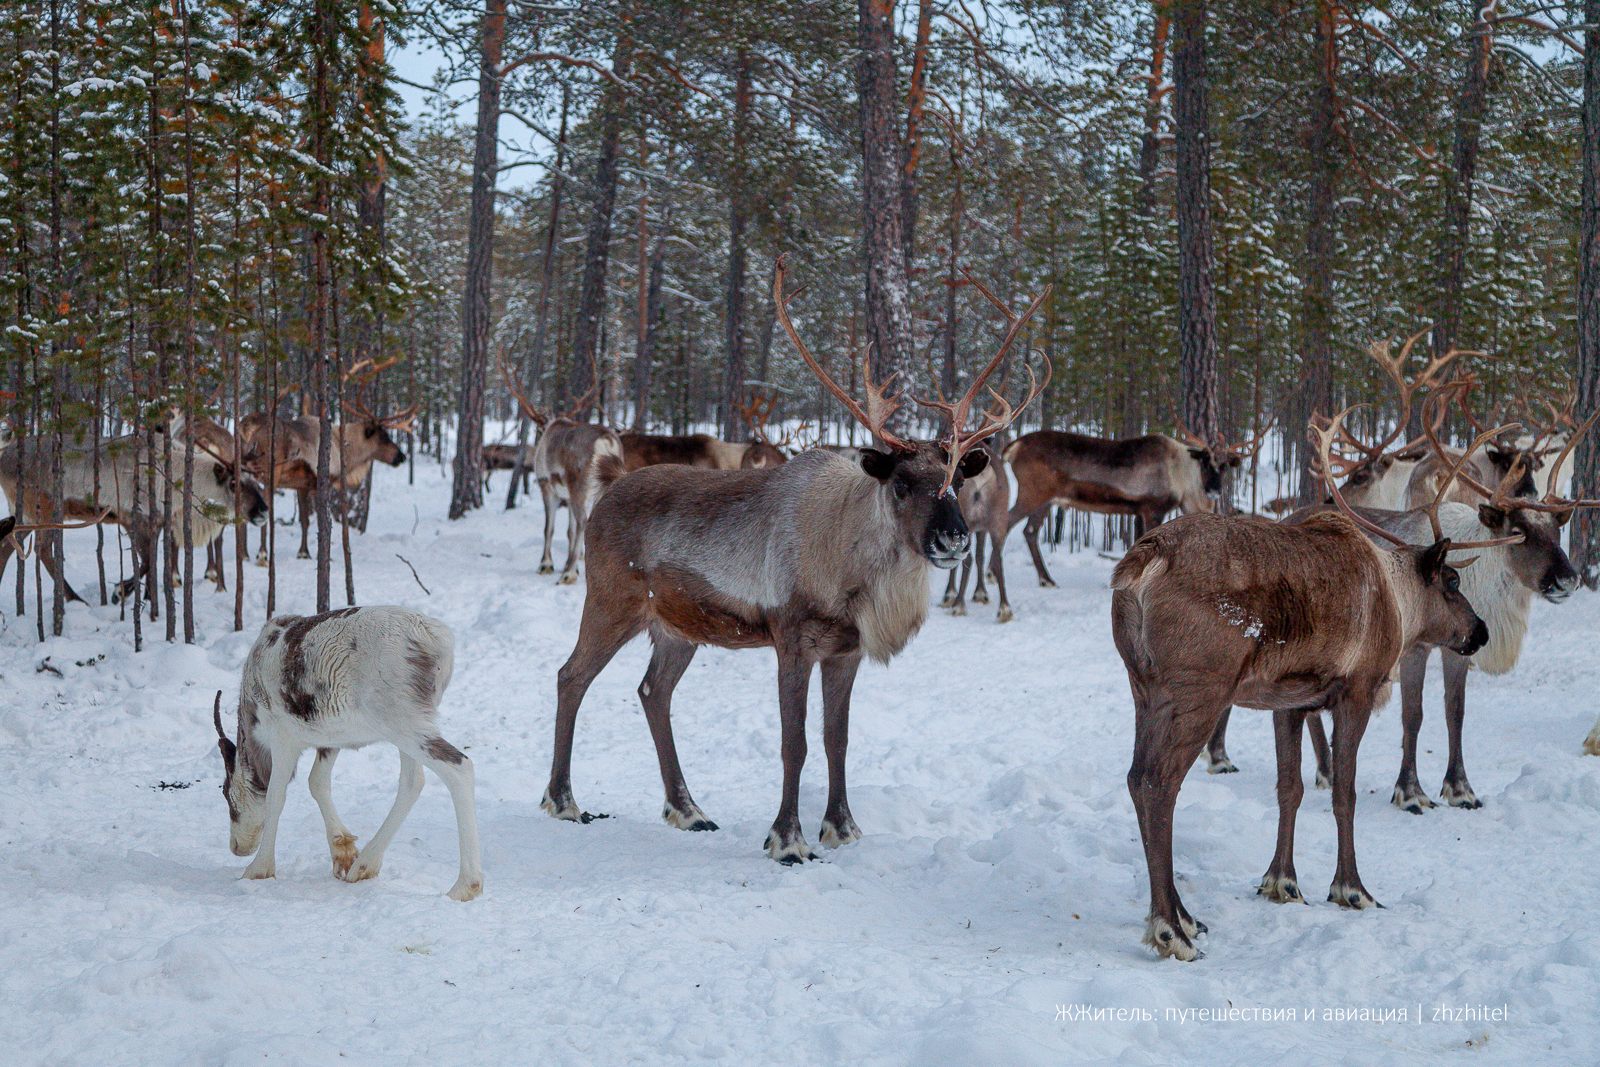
[
  {"x": 1030, "y": 534},
  {"x": 1408, "y": 794},
  {"x": 785, "y": 842},
  {"x": 341, "y": 842},
  {"x": 1319, "y": 748},
  {"x": 1216, "y": 750},
  {"x": 1457, "y": 791},
  {"x": 667, "y": 664},
  {"x": 1004, "y": 615},
  {"x": 370, "y": 860},
  {"x": 455, "y": 770},
  {"x": 546, "y": 564},
  {"x": 602, "y": 632},
  {"x": 838, "y": 679},
  {"x": 955, "y": 594},
  {"x": 265, "y": 864},
  {"x": 569, "y": 570},
  {"x": 1167, "y": 739},
  {"x": 980, "y": 595},
  {"x": 1280, "y": 883},
  {"x": 949, "y": 598},
  {"x": 304, "y": 497},
  {"x": 1349, "y": 723}
]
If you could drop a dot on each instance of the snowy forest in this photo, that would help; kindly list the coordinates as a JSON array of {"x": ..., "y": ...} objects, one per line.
[{"x": 221, "y": 223}]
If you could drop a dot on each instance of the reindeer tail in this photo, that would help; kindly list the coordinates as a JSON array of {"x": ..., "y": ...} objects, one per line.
[
  {"x": 1009, "y": 453},
  {"x": 1143, "y": 563}
]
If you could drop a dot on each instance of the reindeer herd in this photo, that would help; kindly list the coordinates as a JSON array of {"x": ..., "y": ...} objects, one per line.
[{"x": 824, "y": 557}]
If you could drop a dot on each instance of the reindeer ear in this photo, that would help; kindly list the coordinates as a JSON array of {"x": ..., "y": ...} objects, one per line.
[
  {"x": 879, "y": 465},
  {"x": 1492, "y": 517},
  {"x": 1432, "y": 560},
  {"x": 1201, "y": 456},
  {"x": 228, "y": 753},
  {"x": 1234, "y": 461},
  {"x": 974, "y": 463},
  {"x": 1561, "y": 517}
]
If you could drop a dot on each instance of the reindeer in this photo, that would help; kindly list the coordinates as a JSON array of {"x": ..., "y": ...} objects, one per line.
[
  {"x": 218, "y": 482},
  {"x": 343, "y": 679},
  {"x": 823, "y": 559},
  {"x": 983, "y": 500},
  {"x": 574, "y": 463},
  {"x": 353, "y": 448},
  {"x": 1145, "y": 477},
  {"x": 1211, "y": 611}
]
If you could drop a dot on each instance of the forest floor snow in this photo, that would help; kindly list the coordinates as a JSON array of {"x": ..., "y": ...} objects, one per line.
[{"x": 991, "y": 914}]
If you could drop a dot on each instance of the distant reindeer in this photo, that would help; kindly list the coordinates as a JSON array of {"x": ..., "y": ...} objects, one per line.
[
  {"x": 343, "y": 679},
  {"x": 823, "y": 559},
  {"x": 985, "y": 503},
  {"x": 352, "y": 450},
  {"x": 1209, "y": 611},
  {"x": 573, "y": 462},
  {"x": 218, "y": 481},
  {"x": 1145, "y": 477}
]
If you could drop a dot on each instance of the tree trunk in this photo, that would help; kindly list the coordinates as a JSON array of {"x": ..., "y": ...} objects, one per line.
[
  {"x": 1150, "y": 141},
  {"x": 466, "y": 492},
  {"x": 1197, "y": 311},
  {"x": 915, "y": 100},
  {"x": 733, "y": 391},
  {"x": 1470, "y": 105},
  {"x": 644, "y": 363},
  {"x": 322, "y": 293},
  {"x": 1586, "y": 459},
  {"x": 1317, "y": 295},
  {"x": 592, "y": 297},
  {"x": 888, "y": 296}
]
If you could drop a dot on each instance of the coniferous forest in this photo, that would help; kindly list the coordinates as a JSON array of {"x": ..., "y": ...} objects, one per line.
[{"x": 214, "y": 209}]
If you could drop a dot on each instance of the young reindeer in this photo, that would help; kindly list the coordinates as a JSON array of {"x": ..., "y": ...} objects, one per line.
[
  {"x": 1210, "y": 611},
  {"x": 343, "y": 679},
  {"x": 985, "y": 501},
  {"x": 823, "y": 559},
  {"x": 573, "y": 462}
]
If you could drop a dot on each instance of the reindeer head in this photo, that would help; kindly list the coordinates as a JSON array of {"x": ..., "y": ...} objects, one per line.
[
  {"x": 920, "y": 480},
  {"x": 1447, "y": 618},
  {"x": 243, "y": 786}
]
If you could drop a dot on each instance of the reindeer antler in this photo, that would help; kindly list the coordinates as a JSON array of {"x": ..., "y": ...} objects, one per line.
[
  {"x": 538, "y": 416},
  {"x": 880, "y": 407}
]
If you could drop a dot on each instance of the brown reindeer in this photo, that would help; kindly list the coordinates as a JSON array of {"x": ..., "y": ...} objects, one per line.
[
  {"x": 1145, "y": 477},
  {"x": 352, "y": 450},
  {"x": 823, "y": 559},
  {"x": 1209, "y": 611},
  {"x": 573, "y": 462}
]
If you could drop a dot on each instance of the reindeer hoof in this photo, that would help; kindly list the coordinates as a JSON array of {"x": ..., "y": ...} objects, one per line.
[
  {"x": 360, "y": 872},
  {"x": 1159, "y": 935},
  {"x": 465, "y": 889},
  {"x": 1220, "y": 765},
  {"x": 344, "y": 853},
  {"x": 1004, "y": 614},
  {"x": 958, "y": 609},
  {"x": 302, "y": 554},
  {"x": 546, "y": 568},
  {"x": 691, "y": 818},
  {"x": 1046, "y": 583},
  {"x": 566, "y": 809},
  {"x": 979, "y": 596},
  {"x": 788, "y": 852},
  {"x": 948, "y": 600},
  {"x": 261, "y": 560},
  {"x": 1280, "y": 889},
  {"x": 839, "y": 832},
  {"x": 260, "y": 870},
  {"x": 1351, "y": 896},
  {"x": 568, "y": 578},
  {"x": 1459, "y": 795},
  {"x": 1322, "y": 782},
  {"x": 1410, "y": 799}
]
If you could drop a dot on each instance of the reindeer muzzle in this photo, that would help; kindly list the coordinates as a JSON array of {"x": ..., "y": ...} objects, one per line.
[
  {"x": 1474, "y": 641},
  {"x": 1558, "y": 584}
]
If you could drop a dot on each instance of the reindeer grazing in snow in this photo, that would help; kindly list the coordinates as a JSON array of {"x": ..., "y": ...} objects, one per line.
[
  {"x": 343, "y": 679},
  {"x": 218, "y": 482},
  {"x": 574, "y": 463},
  {"x": 1209, "y": 611},
  {"x": 823, "y": 559}
]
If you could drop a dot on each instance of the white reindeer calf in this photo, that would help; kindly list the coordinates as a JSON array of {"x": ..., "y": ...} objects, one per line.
[{"x": 343, "y": 679}]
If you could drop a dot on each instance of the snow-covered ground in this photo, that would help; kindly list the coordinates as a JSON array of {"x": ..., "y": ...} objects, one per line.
[{"x": 991, "y": 914}]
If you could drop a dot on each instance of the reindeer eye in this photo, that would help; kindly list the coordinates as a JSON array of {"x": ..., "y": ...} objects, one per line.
[
  {"x": 1452, "y": 581},
  {"x": 900, "y": 490}
]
